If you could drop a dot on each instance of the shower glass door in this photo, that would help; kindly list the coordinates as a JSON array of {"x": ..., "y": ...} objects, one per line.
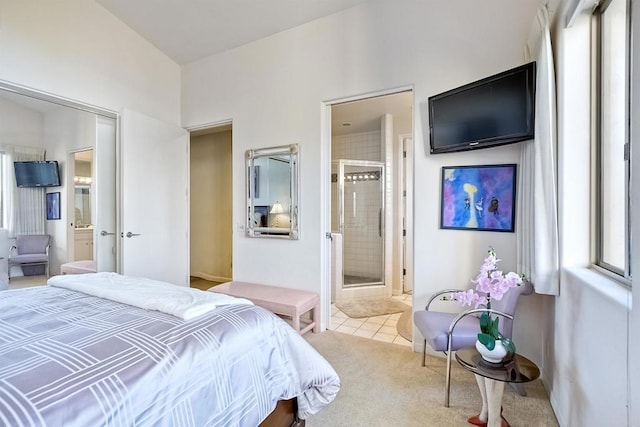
[{"x": 361, "y": 221}]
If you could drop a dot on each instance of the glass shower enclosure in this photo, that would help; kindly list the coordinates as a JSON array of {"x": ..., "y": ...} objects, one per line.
[{"x": 358, "y": 193}]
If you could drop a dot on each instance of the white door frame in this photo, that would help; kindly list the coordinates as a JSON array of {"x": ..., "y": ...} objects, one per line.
[
  {"x": 406, "y": 203},
  {"x": 325, "y": 196}
]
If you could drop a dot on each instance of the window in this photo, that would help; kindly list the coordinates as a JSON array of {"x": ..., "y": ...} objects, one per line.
[{"x": 611, "y": 113}]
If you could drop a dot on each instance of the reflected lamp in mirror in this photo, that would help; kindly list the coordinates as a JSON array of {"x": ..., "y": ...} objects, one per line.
[
  {"x": 276, "y": 211},
  {"x": 276, "y": 188}
]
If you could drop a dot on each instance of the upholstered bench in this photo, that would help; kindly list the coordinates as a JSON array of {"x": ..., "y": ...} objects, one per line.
[
  {"x": 78, "y": 267},
  {"x": 292, "y": 303}
]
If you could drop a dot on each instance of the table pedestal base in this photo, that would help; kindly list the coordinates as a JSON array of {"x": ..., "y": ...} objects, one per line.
[{"x": 491, "y": 393}]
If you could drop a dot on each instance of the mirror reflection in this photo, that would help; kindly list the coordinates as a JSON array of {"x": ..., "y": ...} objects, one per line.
[
  {"x": 272, "y": 192},
  {"x": 82, "y": 194},
  {"x": 82, "y": 188}
]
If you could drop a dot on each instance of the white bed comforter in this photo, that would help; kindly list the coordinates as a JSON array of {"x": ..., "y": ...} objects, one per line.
[
  {"x": 179, "y": 301},
  {"x": 71, "y": 359}
]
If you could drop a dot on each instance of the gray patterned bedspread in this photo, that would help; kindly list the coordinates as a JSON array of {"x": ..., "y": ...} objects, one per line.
[{"x": 70, "y": 359}]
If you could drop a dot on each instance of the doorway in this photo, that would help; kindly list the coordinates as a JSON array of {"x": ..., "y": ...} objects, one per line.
[
  {"x": 369, "y": 205},
  {"x": 83, "y": 200},
  {"x": 210, "y": 206}
]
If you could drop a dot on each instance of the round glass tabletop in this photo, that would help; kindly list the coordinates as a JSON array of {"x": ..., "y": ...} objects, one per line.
[{"x": 517, "y": 370}]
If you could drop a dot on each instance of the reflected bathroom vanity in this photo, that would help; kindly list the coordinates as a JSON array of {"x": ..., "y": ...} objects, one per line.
[
  {"x": 83, "y": 223},
  {"x": 272, "y": 192}
]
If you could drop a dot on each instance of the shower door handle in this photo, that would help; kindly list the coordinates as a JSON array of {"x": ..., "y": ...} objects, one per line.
[{"x": 380, "y": 222}]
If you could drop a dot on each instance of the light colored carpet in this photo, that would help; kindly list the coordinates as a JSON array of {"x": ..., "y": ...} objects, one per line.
[
  {"x": 20, "y": 282},
  {"x": 385, "y": 385},
  {"x": 405, "y": 325},
  {"x": 371, "y": 307}
]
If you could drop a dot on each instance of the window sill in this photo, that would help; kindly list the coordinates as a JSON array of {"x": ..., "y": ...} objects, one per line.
[{"x": 610, "y": 288}]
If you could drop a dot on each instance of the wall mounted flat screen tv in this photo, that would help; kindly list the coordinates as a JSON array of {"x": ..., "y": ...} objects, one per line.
[
  {"x": 37, "y": 174},
  {"x": 493, "y": 111}
]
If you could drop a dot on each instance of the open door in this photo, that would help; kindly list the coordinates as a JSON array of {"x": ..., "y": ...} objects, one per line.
[
  {"x": 155, "y": 202},
  {"x": 105, "y": 213}
]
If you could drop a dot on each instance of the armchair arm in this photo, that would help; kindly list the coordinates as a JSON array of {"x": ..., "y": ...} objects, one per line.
[{"x": 439, "y": 293}]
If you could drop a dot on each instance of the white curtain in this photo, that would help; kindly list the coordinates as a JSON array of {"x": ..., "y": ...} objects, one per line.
[
  {"x": 26, "y": 206},
  {"x": 537, "y": 237}
]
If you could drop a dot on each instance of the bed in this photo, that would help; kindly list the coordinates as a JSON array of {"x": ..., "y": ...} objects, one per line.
[{"x": 73, "y": 353}]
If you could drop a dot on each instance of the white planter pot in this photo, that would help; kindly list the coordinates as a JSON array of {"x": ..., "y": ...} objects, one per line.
[{"x": 494, "y": 356}]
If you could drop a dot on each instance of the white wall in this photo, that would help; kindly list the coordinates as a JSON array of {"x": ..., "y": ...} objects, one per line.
[
  {"x": 78, "y": 50},
  {"x": 19, "y": 125},
  {"x": 273, "y": 89}
]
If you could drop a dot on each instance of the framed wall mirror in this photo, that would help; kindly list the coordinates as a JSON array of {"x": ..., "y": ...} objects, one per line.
[{"x": 272, "y": 192}]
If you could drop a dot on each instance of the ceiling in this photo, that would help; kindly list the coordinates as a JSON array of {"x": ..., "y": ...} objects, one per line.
[
  {"x": 188, "y": 30},
  {"x": 364, "y": 115}
]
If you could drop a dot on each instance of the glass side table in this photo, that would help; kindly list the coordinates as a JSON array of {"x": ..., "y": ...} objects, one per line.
[{"x": 491, "y": 378}]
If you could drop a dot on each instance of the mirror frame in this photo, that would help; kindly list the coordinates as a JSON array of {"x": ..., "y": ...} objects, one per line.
[{"x": 291, "y": 232}]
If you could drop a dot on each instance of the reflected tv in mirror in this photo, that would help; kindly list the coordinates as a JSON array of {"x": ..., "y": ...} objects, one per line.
[
  {"x": 493, "y": 111},
  {"x": 37, "y": 174}
]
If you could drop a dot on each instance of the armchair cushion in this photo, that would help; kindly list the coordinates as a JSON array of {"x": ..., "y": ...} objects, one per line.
[
  {"x": 434, "y": 326},
  {"x": 31, "y": 253},
  {"x": 32, "y": 244},
  {"x": 29, "y": 258}
]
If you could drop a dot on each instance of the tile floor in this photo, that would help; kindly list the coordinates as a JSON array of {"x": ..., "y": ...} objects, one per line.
[{"x": 379, "y": 328}]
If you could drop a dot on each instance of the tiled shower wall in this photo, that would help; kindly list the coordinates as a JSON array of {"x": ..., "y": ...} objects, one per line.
[
  {"x": 362, "y": 251},
  {"x": 357, "y": 146}
]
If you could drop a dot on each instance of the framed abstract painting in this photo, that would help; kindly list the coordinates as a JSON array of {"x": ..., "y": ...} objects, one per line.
[
  {"x": 53, "y": 205},
  {"x": 478, "y": 197}
]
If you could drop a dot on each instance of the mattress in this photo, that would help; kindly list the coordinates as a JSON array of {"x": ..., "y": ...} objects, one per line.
[{"x": 69, "y": 358}]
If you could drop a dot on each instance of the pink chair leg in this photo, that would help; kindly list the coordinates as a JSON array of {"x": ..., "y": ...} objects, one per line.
[{"x": 316, "y": 318}]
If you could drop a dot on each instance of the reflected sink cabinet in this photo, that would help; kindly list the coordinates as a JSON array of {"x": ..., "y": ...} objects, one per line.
[{"x": 83, "y": 244}]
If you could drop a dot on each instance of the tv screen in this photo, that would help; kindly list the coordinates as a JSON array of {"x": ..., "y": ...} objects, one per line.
[
  {"x": 493, "y": 111},
  {"x": 37, "y": 174}
]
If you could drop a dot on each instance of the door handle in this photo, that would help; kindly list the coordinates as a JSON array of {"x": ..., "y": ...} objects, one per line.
[
  {"x": 130, "y": 234},
  {"x": 106, "y": 233}
]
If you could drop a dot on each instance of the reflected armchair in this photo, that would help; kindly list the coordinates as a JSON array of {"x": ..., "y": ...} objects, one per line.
[
  {"x": 30, "y": 250},
  {"x": 448, "y": 332}
]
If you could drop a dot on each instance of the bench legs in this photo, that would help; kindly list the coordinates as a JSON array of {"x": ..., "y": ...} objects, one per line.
[{"x": 315, "y": 321}]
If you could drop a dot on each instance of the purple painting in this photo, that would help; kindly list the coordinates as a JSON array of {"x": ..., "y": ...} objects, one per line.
[{"x": 478, "y": 197}]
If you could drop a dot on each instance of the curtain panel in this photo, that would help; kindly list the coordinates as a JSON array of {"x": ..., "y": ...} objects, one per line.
[
  {"x": 26, "y": 206},
  {"x": 537, "y": 236}
]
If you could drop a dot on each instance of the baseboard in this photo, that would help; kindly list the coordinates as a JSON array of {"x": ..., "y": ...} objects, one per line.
[{"x": 211, "y": 278}]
